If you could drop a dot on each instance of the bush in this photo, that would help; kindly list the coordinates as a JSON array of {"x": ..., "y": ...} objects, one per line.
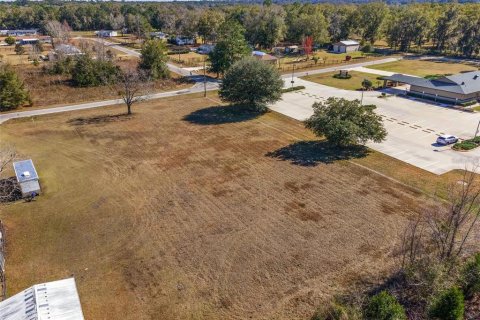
[
  {"x": 465, "y": 145},
  {"x": 10, "y": 40},
  {"x": 367, "y": 48},
  {"x": 61, "y": 66},
  {"x": 183, "y": 51},
  {"x": 468, "y": 103},
  {"x": 296, "y": 88},
  {"x": 449, "y": 305},
  {"x": 337, "y": 311},
  {"x": 19, "y": 49},
  {"x": 340, "y": 76},
  {"x": 384, "y": 306},
  {"x": 471, "y": 274},
  {"x": 90, "y": 73}
]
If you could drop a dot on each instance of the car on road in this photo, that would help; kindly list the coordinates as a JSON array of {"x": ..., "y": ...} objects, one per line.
[{"x": 446, "y": 139}]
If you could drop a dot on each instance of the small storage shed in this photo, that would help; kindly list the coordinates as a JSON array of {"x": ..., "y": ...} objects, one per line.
[
  {"x": 27, "y": 177},
  {"x": 346, "y": 46}
]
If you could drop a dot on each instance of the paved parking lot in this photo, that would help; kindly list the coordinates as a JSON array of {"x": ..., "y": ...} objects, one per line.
[{"x": 413, "y": 126}]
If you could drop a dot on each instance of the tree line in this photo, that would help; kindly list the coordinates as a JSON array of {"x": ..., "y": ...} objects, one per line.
[{"x": 444, "y": 28}]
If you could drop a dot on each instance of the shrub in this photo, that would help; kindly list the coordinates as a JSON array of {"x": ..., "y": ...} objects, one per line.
[
  {"x": 337, "y": 311},
  {"x": 468, "y": 103},
  {"x": 367, "y": 48},
  {"x": 449, "y": 305},
  {"x": 341, "y": 76},
  {"x": 471, "y": 274},
  {"x": 384, "y": 306},
  {"x": 10, "y": 40},
  {"x": 90, "y": 73},
  {"x": 19, "y": 49},
  {"x": 465, "y": 145},
  {"x": 367, "y": 84},
  {"x": 296, "y": 88},
  {"x": 61, "y": 66}
]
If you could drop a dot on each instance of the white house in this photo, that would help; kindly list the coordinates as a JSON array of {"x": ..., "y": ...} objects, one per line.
[
  {"x": 106, "y": 33},
  {"x": 346, "y": 46},
  {"x": 158, "y": 35},
  {"x": 205, "y": 48},
  {"x": 56, "y": 300}
]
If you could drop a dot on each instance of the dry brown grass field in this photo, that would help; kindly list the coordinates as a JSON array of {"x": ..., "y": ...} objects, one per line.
[
  {"x": 55, "y": 90},
  {"x": 187, "y": 211}
]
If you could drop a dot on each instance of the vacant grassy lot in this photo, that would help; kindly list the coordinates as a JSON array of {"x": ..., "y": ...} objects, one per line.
[
  {"x": 354, "y": 83},
  {"x": 187, "y": 211},
  {"x": 424, "y": 68}
]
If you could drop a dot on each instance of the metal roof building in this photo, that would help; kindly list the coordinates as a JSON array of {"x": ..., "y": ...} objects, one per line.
[
  {"x": 57, "y": 300},
  {"x": 461, "y": 87},
  {"x": 27, "y": 177},
  {"x": 346, "y": 46}
]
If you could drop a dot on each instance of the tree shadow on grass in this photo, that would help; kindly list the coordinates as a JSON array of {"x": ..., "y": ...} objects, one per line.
[
  {"x": 9, "y": 190},
  {"x": 221, "y": 115},
  {"x": 99, "y": 119},
  {"x": 312, "y": 153}
]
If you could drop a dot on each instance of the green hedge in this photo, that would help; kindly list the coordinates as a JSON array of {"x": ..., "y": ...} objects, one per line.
[
  {"x": 293, "y": 89},
  {"x": 449, "y": 305},
  {"x": 467, "y": 144},
  {"x": 170, "y": 53},
  {"x": 338, "y": 76},
  {"x": 468, "y": 103}
]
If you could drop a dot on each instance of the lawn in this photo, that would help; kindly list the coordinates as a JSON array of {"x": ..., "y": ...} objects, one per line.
[
  {"x": 354, "y": 83},
  {"x": 424, "y": 68},
  {"x": 188, "y": 211}
]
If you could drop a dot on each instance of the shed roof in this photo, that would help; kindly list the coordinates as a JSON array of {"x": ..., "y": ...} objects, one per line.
[
  {"x": 348, "y": 43},
  {"x": 25, "y": 171},
  {"x": 57, "y": 300}
]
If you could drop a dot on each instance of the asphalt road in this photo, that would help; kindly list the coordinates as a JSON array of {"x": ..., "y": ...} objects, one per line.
[{"x": 212, "y": 84}]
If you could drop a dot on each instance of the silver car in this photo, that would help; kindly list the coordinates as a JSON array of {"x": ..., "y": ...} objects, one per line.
[{"x": 446, "y": 139}]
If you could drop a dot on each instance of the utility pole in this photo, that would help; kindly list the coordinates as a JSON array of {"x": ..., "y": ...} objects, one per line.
[
  {"x": 476, "y": 131},
  {"x": 293, "y": 73},
  {"x": 361, "y": 100},
  {"x": 204, "y": 77}
]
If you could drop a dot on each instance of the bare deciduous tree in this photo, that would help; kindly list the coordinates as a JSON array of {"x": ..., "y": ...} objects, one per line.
[
  {"x": 60, "y": 32},
  {"x": 133, "y": 86},
  {"x": 8, "y": 186},
  {"x": 442, "y": 233}
]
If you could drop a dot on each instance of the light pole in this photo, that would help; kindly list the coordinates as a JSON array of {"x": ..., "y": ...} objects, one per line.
[
  {"x": 476, "y": 131},
  {"x": 204, "y": 77},
  {"x": 293, "y": 72}
]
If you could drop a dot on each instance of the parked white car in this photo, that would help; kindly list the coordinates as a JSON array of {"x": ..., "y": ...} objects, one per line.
[{"x": 446, "y": 139}]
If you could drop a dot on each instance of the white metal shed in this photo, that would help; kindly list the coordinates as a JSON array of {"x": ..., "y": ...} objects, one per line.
[
  {"x": 56, "y": 300},
  {"x": 27, "y": 177}
]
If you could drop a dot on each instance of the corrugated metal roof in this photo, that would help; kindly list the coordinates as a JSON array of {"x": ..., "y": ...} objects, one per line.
[
  {"x": 57, "y": 300},
  {"x": 463, "y": 83},
  {"x": 25, "y": 170},
  {"x": 347, "y": 43}
]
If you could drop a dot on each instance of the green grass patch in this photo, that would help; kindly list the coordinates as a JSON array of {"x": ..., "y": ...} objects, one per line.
[
  {"x": 424, "y": 68},
  {"x": 352, "y": 83}
]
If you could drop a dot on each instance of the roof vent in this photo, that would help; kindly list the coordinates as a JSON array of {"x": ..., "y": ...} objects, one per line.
[
  {"x": 463, "y": 83},
  {"x": 475, "y": 77},
  {"x": 26, "y": 174}
]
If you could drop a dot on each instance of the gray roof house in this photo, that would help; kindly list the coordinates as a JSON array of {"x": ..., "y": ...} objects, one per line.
[
  {"x": 56, "y": 300},
  {"x": 459, "y": 88},
  {"x": 27, "y": 177}
]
